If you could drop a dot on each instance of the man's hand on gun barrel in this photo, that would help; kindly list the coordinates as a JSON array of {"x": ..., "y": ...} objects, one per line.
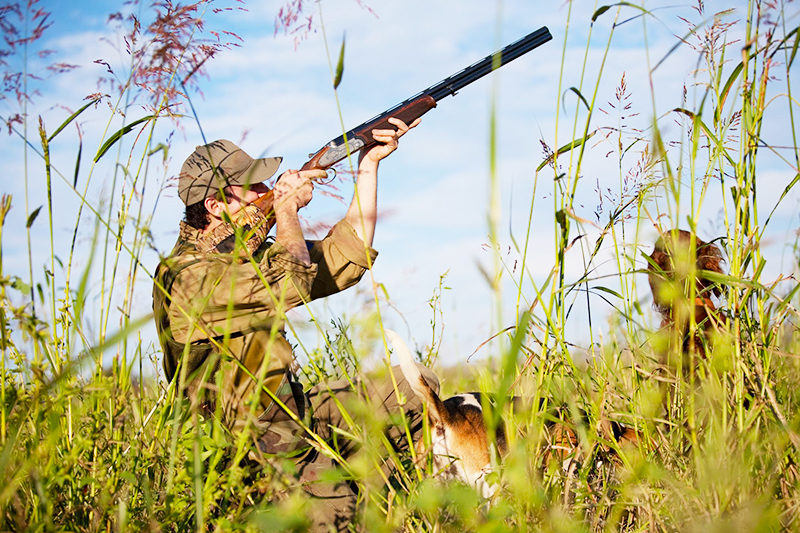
[
  {"x": 387, "y": 140},
  {"x": 294, "y": 189}
]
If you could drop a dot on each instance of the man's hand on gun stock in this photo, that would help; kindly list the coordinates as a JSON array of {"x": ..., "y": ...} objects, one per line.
[
  {"x": 294, "y": 189},
  {"x": 292, "y": 192}
]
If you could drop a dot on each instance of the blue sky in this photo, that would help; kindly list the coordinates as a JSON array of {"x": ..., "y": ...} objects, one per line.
[{"x": 274, "y": 96}]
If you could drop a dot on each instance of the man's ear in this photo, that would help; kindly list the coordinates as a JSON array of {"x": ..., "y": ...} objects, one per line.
[{"x": 213, "y": 206}]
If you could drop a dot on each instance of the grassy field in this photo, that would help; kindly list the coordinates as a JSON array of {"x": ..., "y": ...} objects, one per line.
[{"x": 90, "y": 447}]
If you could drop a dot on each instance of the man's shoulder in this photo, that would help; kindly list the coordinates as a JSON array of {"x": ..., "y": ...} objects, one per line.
[
  {"x": 184, "y": 256},
  {"x": 189, "y": 260}
]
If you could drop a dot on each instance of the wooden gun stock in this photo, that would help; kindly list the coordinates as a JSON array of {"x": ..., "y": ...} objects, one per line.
[{"x": 264, "y": 203}]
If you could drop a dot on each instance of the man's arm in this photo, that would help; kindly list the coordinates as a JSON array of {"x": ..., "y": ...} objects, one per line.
[
  {"x": 218, "y": 295},
  {"x": 292, "y": 192},
  {"x": 363, "y": 211}
]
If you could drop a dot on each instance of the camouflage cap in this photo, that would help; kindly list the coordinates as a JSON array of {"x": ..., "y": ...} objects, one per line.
[{"x": 216, "y": 165}]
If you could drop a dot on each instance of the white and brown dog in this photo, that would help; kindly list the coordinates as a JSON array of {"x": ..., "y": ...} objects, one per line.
[
  {"x": 460, "y": 446},
  {"x": 459, "y": 440}
]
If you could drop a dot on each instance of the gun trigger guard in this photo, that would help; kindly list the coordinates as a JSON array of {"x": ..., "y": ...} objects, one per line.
[{"x": 331, "y": 175}]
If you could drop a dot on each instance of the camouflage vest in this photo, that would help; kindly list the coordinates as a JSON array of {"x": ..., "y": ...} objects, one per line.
[
  {"x": 196, "y": 353},
  {"x": 276, "y": 431}
]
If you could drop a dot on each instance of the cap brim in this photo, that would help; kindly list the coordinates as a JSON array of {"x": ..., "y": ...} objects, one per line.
[{"x": 258, "y": 171}]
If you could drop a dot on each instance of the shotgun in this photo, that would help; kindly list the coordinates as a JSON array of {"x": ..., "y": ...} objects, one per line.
[{"x": 409, "y": 110}]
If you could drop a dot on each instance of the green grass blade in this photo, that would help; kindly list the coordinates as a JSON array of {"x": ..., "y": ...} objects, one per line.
[
  {"x": 340, "y": 65},
  {"x": 602, "y": 9},
  {"x": 580, "y": 96},
  {"x": 713, "y": 138},
  {"x": 564, "y": 149},
  {"x": 118, "y": 135},
  {"x": 70, "y": 119},
  {"x": 727, "y": 87},
  {"x": 78, "y": 163},
  {"x": 796, "y": 32},
  {"x": 33, "y": 216}
]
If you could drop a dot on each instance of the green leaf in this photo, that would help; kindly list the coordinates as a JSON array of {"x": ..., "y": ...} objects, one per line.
[
  {"x": 603, "y": 9},
  {"x": 726, "y": 89},
  {"x": 580, "y": 96},
  {"x": 789, "y": 188},
  {"x": 783, "y": 195},
  {"x": 385, "y": 292},
  {"x": 724, "y": 279},
  {"x": 71, "y": 118},
  {"x": 697, "y": 125},
  {"x": 510, "y": 363},
  {"x": 794, "y": 48},
  {"x": 340, "y": 67},
  {"x": 609, "y": 291},
  {"x": 20, "y": 285},
  {"x": 78, "y": 163},
  {"x": 33, "y": 216},
  {"x": 81, "y": 295},
  {"x": 786, "y": 301},
  {"x": 118, "y": 135},
  {"x": 160, "y": 147},
  {"x": 713, "y": 138},
  {"x": 599, "y": 12},
  {"x": 130, "y": 478},
  {"x": 566, "y": 148},
  {"x": 561, "y": 218}
]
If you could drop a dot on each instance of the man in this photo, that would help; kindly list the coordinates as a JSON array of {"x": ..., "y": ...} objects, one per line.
[{"x": 220, "y": 315}]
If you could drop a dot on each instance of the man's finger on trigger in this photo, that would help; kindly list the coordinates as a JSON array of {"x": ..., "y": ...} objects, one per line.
[{"x": 313, "y": 174}]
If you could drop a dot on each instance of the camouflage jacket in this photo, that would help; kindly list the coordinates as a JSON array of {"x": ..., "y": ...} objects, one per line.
[{"x": 220, "y": 324}]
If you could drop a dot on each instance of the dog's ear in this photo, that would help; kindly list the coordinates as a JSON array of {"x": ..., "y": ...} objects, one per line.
[
  {"x": 421, "y": 388},
  {"x": 709, "y": 257}
]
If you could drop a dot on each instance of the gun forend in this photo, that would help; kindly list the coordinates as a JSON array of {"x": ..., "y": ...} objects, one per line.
[{"x": 361, "y": 137}]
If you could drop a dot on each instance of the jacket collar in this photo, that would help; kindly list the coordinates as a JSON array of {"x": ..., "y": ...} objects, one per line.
[{"x": 188, "y": 233}]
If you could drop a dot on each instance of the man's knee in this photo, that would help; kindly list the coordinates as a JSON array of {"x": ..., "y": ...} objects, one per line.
[{"x": 330, "y": 503}]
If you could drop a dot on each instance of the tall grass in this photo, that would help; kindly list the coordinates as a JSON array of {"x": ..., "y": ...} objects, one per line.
[{"x": 88, "y": 446}]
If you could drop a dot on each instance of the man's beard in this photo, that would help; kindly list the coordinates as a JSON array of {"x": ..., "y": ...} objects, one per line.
[{"x": 243, "y": 233}]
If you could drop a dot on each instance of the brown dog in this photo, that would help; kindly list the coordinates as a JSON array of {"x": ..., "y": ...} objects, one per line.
[{"x": 673, "y": 269}]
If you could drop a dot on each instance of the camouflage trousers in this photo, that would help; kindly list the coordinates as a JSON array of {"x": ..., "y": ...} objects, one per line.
[{"x": 332, "y": 506}]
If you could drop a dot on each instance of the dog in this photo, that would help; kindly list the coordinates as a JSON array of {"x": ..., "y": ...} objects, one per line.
[
  {"x": 460, "y": 446},
  {"x": 670, "y": 266}
]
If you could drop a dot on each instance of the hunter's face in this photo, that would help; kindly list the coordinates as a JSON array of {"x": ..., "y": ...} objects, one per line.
[{"x": 238, "y": 196}]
